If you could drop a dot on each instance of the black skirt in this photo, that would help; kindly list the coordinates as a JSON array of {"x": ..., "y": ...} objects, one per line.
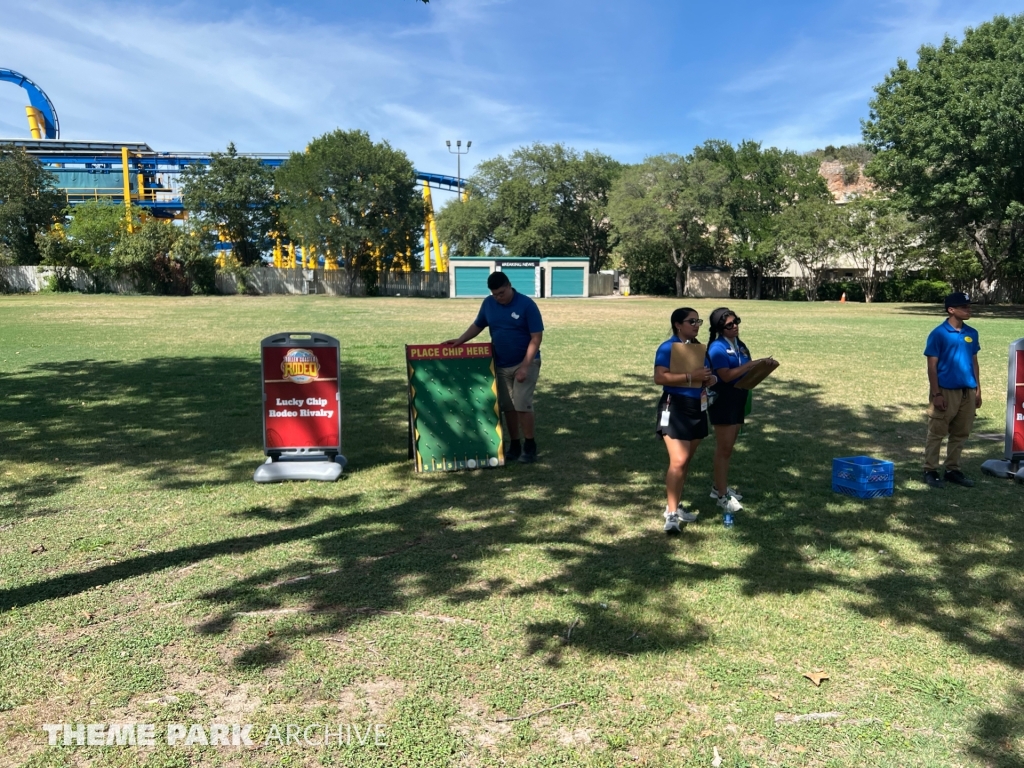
[
  {"x": 686, "y": 421},
  {"x": 729, "y": 406}
]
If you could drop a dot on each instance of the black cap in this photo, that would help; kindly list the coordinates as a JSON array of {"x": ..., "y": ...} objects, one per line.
[
  {"x": 957, "y": 300},
  {"x": 718, "y": 316}
]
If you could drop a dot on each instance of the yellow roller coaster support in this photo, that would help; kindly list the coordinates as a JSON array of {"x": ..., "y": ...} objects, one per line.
[
  {"x": 430, "y": 235},
  {"x": 36, "y": 122},
  {"x": 278, "y": 256},
  {"x": 427, "y": 211},
  {"x": 127, "y": 189},
  {"x": 442, "y": 264},
  {"x": 289, "y": 262}
]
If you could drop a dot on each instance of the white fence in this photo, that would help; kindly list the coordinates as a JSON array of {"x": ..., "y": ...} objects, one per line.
[
  {"x": 601, "y": 284},
  {"x": 261, "y": 281},
  {"x": 35, "y": 279},
  {"x": 334, "y": 282}
]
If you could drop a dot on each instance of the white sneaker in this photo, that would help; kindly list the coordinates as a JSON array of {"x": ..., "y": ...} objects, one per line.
[
  {"x": 686, "y": 517},
  {"x": 672, "y": 523},
  {"x": 728, "y": 492},
  {"x": 730, "y": 504}
]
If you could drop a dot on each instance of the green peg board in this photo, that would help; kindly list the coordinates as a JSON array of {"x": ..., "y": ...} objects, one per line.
[{"x": 454, "y": 421}]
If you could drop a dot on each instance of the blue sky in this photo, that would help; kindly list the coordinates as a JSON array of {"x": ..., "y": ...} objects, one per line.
[{"x": 629, "y": 78}]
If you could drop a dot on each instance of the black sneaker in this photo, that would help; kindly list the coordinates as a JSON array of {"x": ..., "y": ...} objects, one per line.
[
  {"x": 931, "y": 477},
  {"x": 529, "y": 456},
  {"x": 514, "y": 451},
  {"x": 957, "y": 477}
]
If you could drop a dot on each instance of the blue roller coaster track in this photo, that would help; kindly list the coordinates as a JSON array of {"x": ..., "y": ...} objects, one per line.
[
  {"x": 93, "y": 170},
  {"x": 38, "y": 99},
  {"x": 135, "y": 174}
]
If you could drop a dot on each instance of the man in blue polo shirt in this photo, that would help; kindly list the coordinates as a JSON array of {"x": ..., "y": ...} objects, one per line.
[
  {"x": 954, "y": 390},
  {"x": 516, "y": 333}
]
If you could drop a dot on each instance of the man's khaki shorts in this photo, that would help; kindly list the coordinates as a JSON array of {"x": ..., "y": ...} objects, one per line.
[{"x": 517, "y": 395}]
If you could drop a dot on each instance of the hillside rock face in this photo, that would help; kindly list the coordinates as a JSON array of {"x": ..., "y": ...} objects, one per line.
[{"x": 845, "y": 180}]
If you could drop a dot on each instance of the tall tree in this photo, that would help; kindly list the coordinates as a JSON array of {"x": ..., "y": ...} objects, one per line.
[
  {"x": 542, "y": 200},
  {"x": 762, "y": 183},
  {"x": 86, "y": 242},
  {"x": 949, "y": 140},
  {"x": 812, "y": 232},
  {"x": 351, "y": 198},
  {"x": 673, "y": 206},
  {"x": 235, "y": 194},
  {"x": 30, "y": 203},
  {"x": 467, "y": 226},
  {"x": 878, "y": 238},
  {"x": 145, "y": 256},
  {"x": 93, "y": 231}
]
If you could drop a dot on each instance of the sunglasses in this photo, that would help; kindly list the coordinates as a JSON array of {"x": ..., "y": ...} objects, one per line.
[
  {"x": 694, "y": 321},
  {"x": 734, "y": 324}
]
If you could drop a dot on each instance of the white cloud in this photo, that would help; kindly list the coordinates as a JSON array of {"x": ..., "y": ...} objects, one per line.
[
  {"x": 123, "y": 72},
  {"x": 502, "y": 73},
  {"x": 814, "y": 91}
]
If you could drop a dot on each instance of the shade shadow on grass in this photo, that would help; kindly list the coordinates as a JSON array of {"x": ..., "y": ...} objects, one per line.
[
  {"x": 167, "y": 415},
  {"x": 999, "y": 736},
  {"x": 599, "y": 444},
  {"x": 598, "y": 453},
  {"x": 986, "y": 311},
  {"x": 20, "y": 498}
]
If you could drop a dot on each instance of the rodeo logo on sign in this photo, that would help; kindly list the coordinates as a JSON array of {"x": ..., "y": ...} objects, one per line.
[{"x": 300, "y": 366}]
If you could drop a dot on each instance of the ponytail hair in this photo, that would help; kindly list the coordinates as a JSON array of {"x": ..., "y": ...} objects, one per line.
[
  {"x": 717, "y": 322},
  {"x": 718, "y": 319},
  {"x": 678, "y": 316}
]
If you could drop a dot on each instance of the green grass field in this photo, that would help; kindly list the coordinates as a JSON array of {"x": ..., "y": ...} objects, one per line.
[{"x": 532, "y": 615}]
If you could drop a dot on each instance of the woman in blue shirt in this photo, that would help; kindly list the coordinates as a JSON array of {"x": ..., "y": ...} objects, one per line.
[
  {"x": 730, "y": 360},
  {"x": 682, "y": 421}
]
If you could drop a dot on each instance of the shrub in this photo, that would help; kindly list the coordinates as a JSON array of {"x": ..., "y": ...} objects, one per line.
[
  {"x": 926, "y": 291},
  {"x": 834, "y": 290},
  {"x": 193, "y": 249},
  {"x": 919, "y": 290},
  {"x": 797, "y": 294}
]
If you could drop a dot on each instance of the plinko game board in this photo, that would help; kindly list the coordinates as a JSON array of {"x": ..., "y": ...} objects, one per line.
[{"x": 454, "y": 422}]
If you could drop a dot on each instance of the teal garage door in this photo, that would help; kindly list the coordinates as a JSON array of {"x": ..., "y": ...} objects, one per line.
[
  {"x": 567, "y": 281},
  {"x": 522, "y": 279},
  {"x": 471, "y": 281}
]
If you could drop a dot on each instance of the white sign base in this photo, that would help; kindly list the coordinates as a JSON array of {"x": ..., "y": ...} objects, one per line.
[
  {"x": 300, "y": 466},
  {"x": 1003, "y": 469}
]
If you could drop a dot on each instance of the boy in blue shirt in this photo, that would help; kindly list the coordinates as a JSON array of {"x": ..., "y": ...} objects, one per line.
[
  {"x": 954, "y": 390},
  {"x": 516, "y": 333}
]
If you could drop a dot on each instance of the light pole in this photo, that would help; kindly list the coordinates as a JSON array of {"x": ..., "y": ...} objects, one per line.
[{"x": 459, "y": 151}]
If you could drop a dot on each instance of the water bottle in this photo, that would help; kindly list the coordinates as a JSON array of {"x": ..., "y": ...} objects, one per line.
[{"x": 727, "y": 520}]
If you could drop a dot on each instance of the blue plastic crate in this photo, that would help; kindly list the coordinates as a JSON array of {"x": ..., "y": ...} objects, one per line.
[{"x": 863, "y": 477}]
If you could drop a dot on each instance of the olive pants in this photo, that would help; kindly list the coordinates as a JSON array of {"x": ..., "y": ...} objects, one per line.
[{"x": 955, "y": 422}]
